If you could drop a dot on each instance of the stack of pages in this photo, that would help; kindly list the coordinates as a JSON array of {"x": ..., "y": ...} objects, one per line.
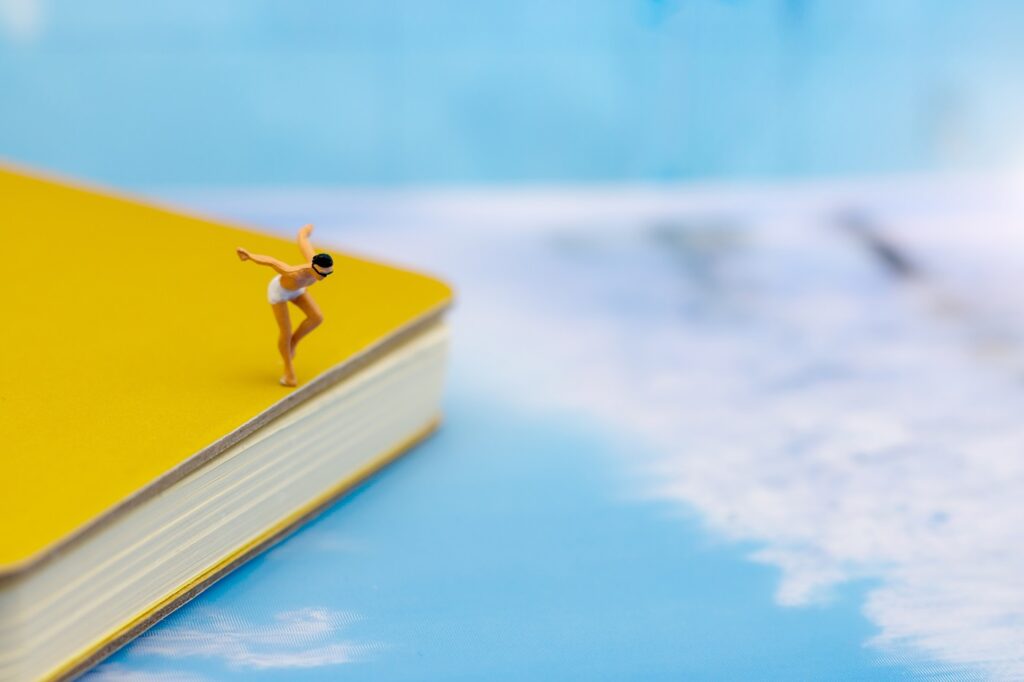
[{"x": 148, "y": 448}]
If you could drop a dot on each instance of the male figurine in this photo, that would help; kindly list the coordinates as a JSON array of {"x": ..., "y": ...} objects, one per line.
[{"x": 290, "y": 284}]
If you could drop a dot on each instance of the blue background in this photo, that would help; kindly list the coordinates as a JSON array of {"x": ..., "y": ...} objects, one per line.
[
  {"x": 509, "y": 546},
  {"x": 459, "y": 91}
]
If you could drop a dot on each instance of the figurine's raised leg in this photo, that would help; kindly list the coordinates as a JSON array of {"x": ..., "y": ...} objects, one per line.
[
  {"x": 284, "y": 342},
  {"x": 313, "y": 319}
]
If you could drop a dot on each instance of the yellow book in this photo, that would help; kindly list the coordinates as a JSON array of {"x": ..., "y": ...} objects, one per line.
[{"x": 147, "y": 445}]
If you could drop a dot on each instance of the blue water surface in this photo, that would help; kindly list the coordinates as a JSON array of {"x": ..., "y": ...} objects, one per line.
[{"x": 505, "y": 548}]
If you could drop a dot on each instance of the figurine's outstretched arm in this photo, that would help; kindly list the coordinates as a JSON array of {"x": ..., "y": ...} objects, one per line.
[
  {"x": 281, "y": 268},
  {"x": 304, "y": 245}
]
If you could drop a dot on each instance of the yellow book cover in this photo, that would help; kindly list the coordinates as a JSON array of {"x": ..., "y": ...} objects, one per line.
[{"x": 137, "y": 349}]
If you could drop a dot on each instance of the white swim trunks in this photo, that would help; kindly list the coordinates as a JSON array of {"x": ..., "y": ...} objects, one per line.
[{"x": 278, "y": 294}]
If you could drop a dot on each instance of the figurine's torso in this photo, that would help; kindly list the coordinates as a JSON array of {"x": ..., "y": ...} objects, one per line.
[{"x": 297, "y": 280}]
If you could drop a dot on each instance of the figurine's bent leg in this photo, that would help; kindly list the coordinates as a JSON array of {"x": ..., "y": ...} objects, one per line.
[
  {"x": 313, "y": 319},
  {"x": 284, "y": 341}
]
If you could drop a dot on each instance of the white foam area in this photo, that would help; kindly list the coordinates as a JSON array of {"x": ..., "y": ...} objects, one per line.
[{"x": 174, "y": 537}]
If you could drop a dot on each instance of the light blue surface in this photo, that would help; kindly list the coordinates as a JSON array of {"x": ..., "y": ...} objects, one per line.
[{"x": 457, "y": 91}]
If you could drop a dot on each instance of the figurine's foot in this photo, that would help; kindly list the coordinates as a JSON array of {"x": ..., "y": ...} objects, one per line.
[{"x": 289, "y": 380}]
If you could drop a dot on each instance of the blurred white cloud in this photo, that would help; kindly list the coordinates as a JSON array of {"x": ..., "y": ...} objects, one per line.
[
  {"x": 303, "y": 638},
  {"x": 773, "y": 378},
  {"x": 791, "y": 393},
  {"x": 114, "y": 672},
  {"x": 22, "y": 20}
]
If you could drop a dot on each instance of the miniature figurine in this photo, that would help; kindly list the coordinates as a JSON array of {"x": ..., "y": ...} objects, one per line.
[{"x": 290, "y": 284}]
